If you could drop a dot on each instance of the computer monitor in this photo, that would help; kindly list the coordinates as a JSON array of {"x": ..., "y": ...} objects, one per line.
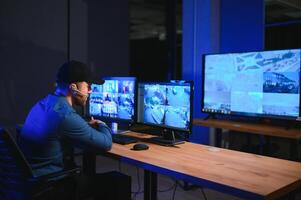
[
  {"x": 114, "y": 100},
  {"x": 167, "y": 105},
  {"x": 264, "y": 84}
]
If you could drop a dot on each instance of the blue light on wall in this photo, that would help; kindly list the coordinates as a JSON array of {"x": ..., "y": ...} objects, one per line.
[
  {"x": 200, "y": 36},
  {"x": 213, "y": 26},
  {"x": 242, "y": 25}
]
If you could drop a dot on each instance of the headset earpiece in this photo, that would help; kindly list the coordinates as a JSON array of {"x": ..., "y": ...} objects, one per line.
[
  {"x": 73, "y": 87},
  {"x": 76, "y": 92}
]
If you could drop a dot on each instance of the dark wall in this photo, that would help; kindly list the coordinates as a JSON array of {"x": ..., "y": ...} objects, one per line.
[
  {"x": 108, "y": 33},
  {"x": 34, "y": 43},
  {"x": 149, "y": 59},
  {"x": 283, "y": 36}
]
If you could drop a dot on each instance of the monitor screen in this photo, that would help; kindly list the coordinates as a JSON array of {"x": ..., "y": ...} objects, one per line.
[
  {"x": 114, "y": 99},
  {"x": 166, "y": 105},
  {"x": 261, "y": 84}
]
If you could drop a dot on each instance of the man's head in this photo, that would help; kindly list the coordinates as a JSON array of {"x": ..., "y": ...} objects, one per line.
[{"x": 76, "y": 78}]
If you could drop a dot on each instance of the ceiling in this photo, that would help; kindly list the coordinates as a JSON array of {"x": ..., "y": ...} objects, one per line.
[{"x": 147, "y": 17}]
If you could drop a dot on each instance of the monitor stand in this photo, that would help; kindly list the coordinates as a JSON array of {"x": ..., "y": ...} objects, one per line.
[{"x": 167, "y": 139}]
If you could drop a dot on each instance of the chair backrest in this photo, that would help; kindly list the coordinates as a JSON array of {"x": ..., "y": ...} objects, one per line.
[{"x": 14, "y": 168}]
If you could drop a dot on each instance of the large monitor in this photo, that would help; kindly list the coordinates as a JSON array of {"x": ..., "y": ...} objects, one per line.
[
  {"x": 167, "y": 105},
  {"x": 115, "y": 99},
  {"x": 259, "y": 84}
]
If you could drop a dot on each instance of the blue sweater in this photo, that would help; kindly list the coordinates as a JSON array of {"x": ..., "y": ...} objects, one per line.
[{"x": 52, "y": 124}]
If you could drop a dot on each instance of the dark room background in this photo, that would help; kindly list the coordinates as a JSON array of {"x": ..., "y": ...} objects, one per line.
[
  {"x": 36, "y": 37},
  {"x": 149, "y": 39}
]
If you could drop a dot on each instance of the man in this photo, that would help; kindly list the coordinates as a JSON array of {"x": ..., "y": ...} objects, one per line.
[{"x": 52, "y": 127}]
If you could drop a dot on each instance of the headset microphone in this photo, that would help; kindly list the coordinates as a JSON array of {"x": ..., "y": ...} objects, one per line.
[
  {"x": 74, "y": 88},
  {"x": 80, "y": 93}
]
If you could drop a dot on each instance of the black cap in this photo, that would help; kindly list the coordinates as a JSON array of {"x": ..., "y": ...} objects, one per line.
[{"x": 75, "y": 71}]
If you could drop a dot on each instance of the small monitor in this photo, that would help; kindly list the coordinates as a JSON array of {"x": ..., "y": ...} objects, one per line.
[
  {"x": 259, "y": 84},
  {"x": 115, "y": 99},
  {"x": 167, "y": 105}
]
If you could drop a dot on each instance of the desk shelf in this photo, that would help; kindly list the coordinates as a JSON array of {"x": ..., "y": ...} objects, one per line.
[
  {"x": 292, "y": 133},
  {"x": 262, "y": 129}
]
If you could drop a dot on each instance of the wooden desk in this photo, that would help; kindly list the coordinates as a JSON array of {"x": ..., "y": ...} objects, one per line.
[
  {"x": 241, "y": 174},
  {"x": 263, "y": 129}
]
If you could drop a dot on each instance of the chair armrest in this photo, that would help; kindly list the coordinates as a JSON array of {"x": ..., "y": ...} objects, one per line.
[{"x": 59, "y": 175}]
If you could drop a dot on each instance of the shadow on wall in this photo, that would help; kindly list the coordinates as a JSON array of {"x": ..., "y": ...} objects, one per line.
[{"x": 27, "y": 75}]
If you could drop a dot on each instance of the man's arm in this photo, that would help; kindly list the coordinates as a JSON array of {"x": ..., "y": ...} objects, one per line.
[{"x": 76, "y": 129}]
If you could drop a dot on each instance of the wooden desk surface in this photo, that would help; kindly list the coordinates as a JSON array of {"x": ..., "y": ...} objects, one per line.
[
  {"x": 277, "y": 131},
  {"x": 263, "y": 177}
]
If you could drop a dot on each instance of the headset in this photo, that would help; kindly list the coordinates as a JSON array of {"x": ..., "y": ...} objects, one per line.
[{"x": 75, "y": 91}]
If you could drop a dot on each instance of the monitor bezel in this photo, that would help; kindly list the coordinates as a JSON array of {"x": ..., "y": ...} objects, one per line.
[
  {"x": 117, "y": 119},
  {"x": 163, "y": 127},
  {"x": 248, "y": 114}
]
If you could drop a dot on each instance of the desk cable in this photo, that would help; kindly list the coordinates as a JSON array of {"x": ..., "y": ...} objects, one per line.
[
  {"x": 139, "y": 185},
  {"x": 138, "y": 180},
  {"x": 203, "y": 192},
  {"x": 190, "y": 187},
  {"x": 178, "y": 184},
  {"x": 168, "y": 189},
  {"x": 175, "y": 189}
]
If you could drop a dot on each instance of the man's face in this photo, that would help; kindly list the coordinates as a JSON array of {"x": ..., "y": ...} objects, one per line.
[{"x": 83, "y": 92}]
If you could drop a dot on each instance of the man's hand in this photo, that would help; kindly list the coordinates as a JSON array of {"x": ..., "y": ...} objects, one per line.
[{"x": 94, "y": 122}]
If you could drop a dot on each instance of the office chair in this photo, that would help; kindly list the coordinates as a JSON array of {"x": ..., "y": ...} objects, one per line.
[
  {"x": 18, "y": 182},
  {"x": 69, "y": 155}
]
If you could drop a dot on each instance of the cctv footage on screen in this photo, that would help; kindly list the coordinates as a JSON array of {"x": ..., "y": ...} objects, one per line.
[
  {"x": 114, "y": 99},
  {"x": 265, "y": 83},
  {"x": 164, "y": 105}
]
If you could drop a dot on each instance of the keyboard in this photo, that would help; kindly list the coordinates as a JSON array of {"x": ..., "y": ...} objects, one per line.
[{"x": 123, "y": 139}]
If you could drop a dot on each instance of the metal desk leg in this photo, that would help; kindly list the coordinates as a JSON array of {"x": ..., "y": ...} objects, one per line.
[
  {"x": 89, "y": 163},
  {"x": 218, "y": 137},
  {"x": 150, "y": 185},
  {"x": 292, "y": 196},
  {"x": 261, "y": 144},
  {"x": 294, "y": 149}
]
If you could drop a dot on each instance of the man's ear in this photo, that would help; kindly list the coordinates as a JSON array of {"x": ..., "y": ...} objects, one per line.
[{"x": 73, "y": 87}]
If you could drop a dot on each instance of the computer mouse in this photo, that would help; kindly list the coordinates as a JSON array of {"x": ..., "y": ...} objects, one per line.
[{"x": 140, "y": 146}]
